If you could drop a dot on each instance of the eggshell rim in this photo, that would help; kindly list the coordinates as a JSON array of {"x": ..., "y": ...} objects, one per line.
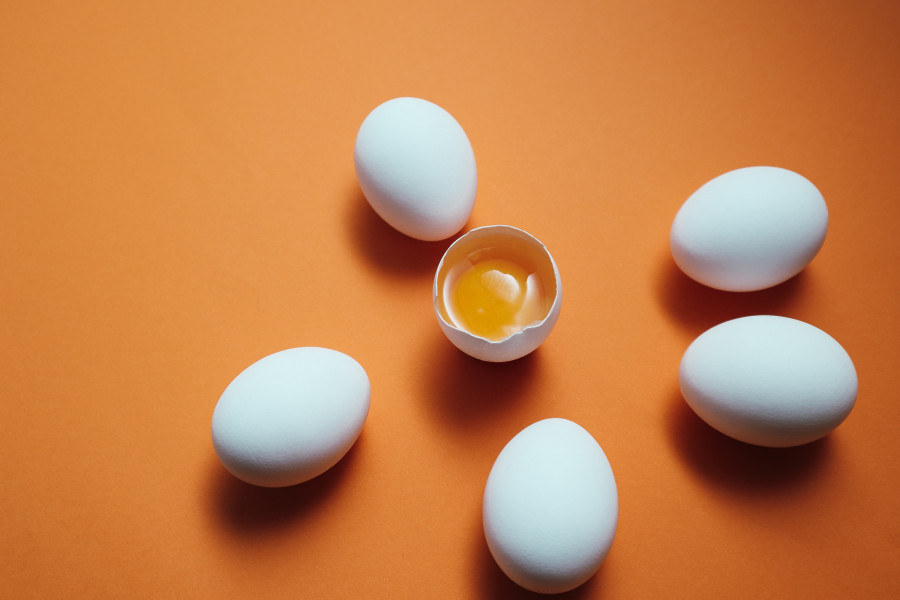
[{"x": 551, "y": 316}]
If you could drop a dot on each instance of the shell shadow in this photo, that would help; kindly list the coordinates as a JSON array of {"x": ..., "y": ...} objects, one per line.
[
  {"x": 466, "y": 392},
  {"x": 385, "y": 248},
  {"x": 737, "y": 466},
  {"x": 247, "y": 510},
  {"x": 697, "y": 307}
]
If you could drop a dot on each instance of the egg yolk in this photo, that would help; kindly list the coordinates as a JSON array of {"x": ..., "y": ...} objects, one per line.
[{"x": 495, "y": 298}]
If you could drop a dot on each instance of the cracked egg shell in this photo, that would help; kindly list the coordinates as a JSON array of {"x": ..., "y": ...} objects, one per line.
[{"x": 497, "y": 293}]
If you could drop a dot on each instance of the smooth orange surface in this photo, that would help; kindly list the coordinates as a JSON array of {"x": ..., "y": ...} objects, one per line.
[{"x": 178, "y": 201}]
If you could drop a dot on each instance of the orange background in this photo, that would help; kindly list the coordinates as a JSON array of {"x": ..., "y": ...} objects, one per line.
[{"x": 178, "y": 201}]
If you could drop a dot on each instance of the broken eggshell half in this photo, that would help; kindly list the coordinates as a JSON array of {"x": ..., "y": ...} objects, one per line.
[{"x": 541, "y": 292}]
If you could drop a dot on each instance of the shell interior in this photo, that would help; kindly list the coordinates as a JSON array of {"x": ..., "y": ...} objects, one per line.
[{"x": 533, "y": 289}]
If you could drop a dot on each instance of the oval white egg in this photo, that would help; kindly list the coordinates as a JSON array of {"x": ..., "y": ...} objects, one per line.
[
  {"x": 416, "y": 168},
  {"x": 749, "y": 229},
  {"x": 767, "y": 380},
  {"x": 290, "y": 416},
  {"x": 550, "y": 507},
  {"x": 539, "y": 290}
]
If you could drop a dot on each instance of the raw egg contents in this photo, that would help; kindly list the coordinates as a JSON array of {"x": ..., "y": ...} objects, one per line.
[{"x": 495, "y": 297}]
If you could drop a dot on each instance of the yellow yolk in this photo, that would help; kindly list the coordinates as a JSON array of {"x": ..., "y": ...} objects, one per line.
[{"x": 495, "y": 298}]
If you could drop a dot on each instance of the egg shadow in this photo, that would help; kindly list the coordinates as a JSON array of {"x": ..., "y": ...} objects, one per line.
[
  {"x": 247, "y": 510},
  {"x": 385, "y": 248},
  {"x": 491, "y": 583},
  {"x": 698, "y": 307},
  {"x": 467, "y": 392},
  {"x": 736, "y": 466}
]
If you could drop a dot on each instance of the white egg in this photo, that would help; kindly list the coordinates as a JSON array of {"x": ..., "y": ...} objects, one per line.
[
  {"x": 290, "y": 416},
  {"x": 517, "y": 300},
  {"x": 749, "y": 229},
  {"x": 416, "y": 168},
  {"x": 550, "y": 507},
  {"x": 767, "y": 380}
]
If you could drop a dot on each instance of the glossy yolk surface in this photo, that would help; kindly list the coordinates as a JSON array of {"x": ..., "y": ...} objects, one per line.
[{"x": 496, "y": 297}]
